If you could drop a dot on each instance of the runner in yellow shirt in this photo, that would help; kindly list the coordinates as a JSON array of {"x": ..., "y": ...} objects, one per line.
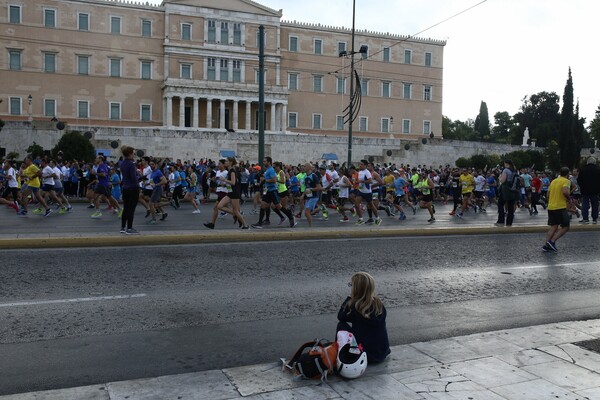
[
  {"x": 32, "y": 175},
  {"x": 559, "y": 195},
  {"x": 467, "y": 183}
]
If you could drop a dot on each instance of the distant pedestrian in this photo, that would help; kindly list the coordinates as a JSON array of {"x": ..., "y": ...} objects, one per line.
[
  {"x": 559, "y": 195},
  {"x": 507, "y": 196},
  {"x": 589, "y": 184},
  {"x": 131, "y": 190}
]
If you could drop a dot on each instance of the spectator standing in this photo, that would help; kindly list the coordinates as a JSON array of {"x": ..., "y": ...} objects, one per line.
[
  {"x": 131, "y": 191},
  {"x": 589, "y": 184}
]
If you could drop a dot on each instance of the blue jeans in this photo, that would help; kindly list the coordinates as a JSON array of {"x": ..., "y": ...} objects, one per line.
[{"x": 585, "y": 206}]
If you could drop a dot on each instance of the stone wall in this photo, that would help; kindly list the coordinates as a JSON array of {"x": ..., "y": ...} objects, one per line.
[{"x": 291, "y": 147}]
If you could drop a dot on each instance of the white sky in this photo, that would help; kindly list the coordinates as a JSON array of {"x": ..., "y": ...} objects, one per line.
[{"x": 498, "y": 52}]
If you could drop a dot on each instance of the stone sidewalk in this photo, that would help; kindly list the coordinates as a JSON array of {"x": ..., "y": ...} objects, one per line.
[{"x": 537, "y": 363}]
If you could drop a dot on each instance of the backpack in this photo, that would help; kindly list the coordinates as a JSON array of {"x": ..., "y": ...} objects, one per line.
[
  {"x": 315, "y": 359},
  {"x": 515, "y": 183}
]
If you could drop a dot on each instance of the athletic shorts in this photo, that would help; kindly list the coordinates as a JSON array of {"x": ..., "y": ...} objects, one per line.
[
  {"x": 559, "y": 217},
  {"x": 147, "y": 192},
  {"x": 156, "y": 194},
  {"x": 235, "y": 194},
  {"x": 271, "y": 197},
  {"x": 59, "y": 190},
  {"x": 368, "y": 197},
  {"x": 467, "y": 194},
  {"x": 398, "y": 199},
  {"x": 311, "y": 203},
  {"x": 427, "y": 198},
  {"x": 221, "y": 195},
  {"x": 283, "y": 194},
  {"x": 478, "y": 194},
  {"x": 47, "y": 188},
  {"x": 11, "y": 190},
  {"x": 103, "y": 190}
]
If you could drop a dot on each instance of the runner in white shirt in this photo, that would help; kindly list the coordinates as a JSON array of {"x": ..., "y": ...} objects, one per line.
[
  {"x": 48, "y": 183},
  {"x": 479, "y": 191},
  {"x": 12, "y": 187},
  {"x": 365, "y": 193},
  {"x": 59, "y": 188}
]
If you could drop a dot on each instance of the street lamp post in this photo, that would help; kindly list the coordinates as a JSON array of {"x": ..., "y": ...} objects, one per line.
[
  {"x": 29, "y": 100},
  {"x": 351, "y": 87}
]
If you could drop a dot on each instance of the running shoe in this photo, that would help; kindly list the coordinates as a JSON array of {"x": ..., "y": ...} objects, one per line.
[
  {"x": 147, "y": 214},
  {"x": 253, "y": 212},
  {"x": 483, "y": 210},
  {"x": 266, "y": 222},
  {"x": 431, "y": 220},
  {"x": 552, "y": 246},
  {"x": 460, "y": 215},
  {"x": 70, "y": 208},
  {"x": 402, "y": 217},
  {"x": 152, "y": 222},
  {"x": 546, "y": 248},
  {"x": 388, "y": 211},
  {"x": 325, "y": 215},
  {"x": 584, "y": 221},
  {"x": 63, "y": 211},
  {"x": 433, "y": 207},
  {"x": 48, "y": 212},
  {"x": 120, "y": 213},
  {"x": 131, "y": 231},
  {"x": 91, "y": 206},
  {"x": 345, "y": 219},
  {"x": 353, "y": 211},
  {"x": 97, "y": 214},
  {"x": 209, "y": 225},
  {"x": 22, "y": 213},
  {"x": 37, "y": 211},
  {"x": 257, "y": 226},
  {"x": 164, "y": 216},
  {"x": 595, "y": 221},
  {"x": 196, "y": 212},
  {"x": 245, "y": 227},
  {"x": 414, "y": 210},
  {"x": 222, "y": 214},
  {"x": 530, "y": 211},
  {"x": 293, "y": 224},
  {"x": 452, "y": 213},
  {"x": 123, "y": 230},
  {"x": 360, "y": 222},
  {"x": 281, "y": 221},
  {"x": 369, "y": 221},
  {"x": 378, "y": 221}
]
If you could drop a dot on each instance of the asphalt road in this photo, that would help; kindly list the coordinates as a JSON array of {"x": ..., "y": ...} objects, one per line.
[{"x": 82, "y": 316}]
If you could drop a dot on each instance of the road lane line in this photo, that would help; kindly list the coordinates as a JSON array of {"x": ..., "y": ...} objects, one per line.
[
  {"x": 77, "y": 300},
  {"x": 553, "y": 265}
]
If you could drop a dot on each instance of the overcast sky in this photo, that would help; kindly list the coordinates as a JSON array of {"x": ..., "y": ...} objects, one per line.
[{"x": 498, "y": 52}]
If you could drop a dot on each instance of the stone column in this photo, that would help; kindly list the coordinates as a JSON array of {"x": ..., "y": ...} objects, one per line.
[
  {"x": 235, "y": 115},
  {"x": 283, "y": 117},
  {"x": 248, "y": 115},
  {"x": 222, "y": 112},
  {"x": 209, "y": 113},
  {"x": 273, "y": 122},
  {"x": 169, "y": 111},
  {"x": 181, "y": 112},
  {"x": 195, "y": 123}
]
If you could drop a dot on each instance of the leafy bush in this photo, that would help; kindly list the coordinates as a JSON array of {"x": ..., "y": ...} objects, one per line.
[{"x": 74, "y": 146}]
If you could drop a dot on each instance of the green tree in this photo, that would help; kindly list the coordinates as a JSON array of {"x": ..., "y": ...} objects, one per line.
[
  {"x": 74, "y": 146},
  {"x": 569, "y": 143},
  {"x": 35, "y": 150},
  {"x": 595, "y": 126},
  {"x": 459, "y": 130},
  {"x": 503, "y": 124},
  {"x": 540, "y": 113},
  {"x": 13, "y": 155},
  {"x": 551, "y": 154},
  {"x": 482, "y": 122},
  {"x": 526, "y": 159}
]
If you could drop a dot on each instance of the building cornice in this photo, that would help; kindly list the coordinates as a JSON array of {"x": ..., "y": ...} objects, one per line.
[{"x": 145, "y": 5}]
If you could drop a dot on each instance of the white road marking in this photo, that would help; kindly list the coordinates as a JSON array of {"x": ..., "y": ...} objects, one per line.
[
  {"x": 77, "y": 300},
  {"x": 554, "y": 265}
]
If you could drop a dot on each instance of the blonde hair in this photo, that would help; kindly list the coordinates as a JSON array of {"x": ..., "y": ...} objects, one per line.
[{"x": 363, "y": 297}]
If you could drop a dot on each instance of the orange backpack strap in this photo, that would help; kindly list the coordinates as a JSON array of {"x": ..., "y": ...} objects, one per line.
[{"x": 299, "y": 352}]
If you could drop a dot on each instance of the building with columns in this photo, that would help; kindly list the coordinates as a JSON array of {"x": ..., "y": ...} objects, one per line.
[{"x": 193, "y": 64}]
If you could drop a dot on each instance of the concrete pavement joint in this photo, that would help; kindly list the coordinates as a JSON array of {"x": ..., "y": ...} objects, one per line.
[{"x": 166, "y": 238}]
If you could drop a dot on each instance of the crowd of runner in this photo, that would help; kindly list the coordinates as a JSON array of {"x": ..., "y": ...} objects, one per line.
[{"x": 361, "y": 194}]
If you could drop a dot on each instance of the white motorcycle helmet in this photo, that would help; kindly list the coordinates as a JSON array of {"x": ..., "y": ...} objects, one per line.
[{"x": 351, "y": 362}]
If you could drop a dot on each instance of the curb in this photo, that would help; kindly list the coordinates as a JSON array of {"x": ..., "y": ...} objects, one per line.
[{"x": 166, "y": 238}]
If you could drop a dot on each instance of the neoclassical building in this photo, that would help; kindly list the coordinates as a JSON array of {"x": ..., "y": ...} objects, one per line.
[{"x": 193, "y": 64}]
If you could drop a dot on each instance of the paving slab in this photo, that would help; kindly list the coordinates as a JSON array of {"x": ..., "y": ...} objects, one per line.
[
  {"x": 263, "y": 378},
  {"x": 382, "y": 387},
  {"x": 94, "y": 392},
  {"x": 491, "y": 372},
  {"x": 488, "y": 344},
  {"x": 576, "y": 355},
  {"x": 544, "y": 335},
  {"x": 402, "y": 358},
  {"x": 209, "y": 385},
  {"x": 566, "y": 375},
  {"x": 466, "y": 395},
  {"x": 446, "y": 350},
  {"x": 321, "y": 392},
  {"x": 534, "y": 390},
  {"x": 526, "y": 357}
]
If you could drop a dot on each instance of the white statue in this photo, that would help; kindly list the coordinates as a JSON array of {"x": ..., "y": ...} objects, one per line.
[{"x": 525, "y": 138}]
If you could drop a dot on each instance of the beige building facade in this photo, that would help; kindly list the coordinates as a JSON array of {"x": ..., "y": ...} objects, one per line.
[{"x": 193, "y": 64}]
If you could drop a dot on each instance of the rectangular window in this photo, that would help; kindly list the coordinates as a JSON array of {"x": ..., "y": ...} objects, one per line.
[
  {"x": 49, "y": 107},
  {"x": 115, "y": 111},
  {"x": 145, "y": 112},
  {"x": 339, "y": 123},
  {"x": 15, "y": 106},
  {"x": 14, "y": 15},
  {"x": 406, "y": 91},
  {"x": 363, "y": 124},
  {"x": 146, "y": 28},
  {"x": 49, "y": 62},
  {"x": 186, "y": 32},
  {"x": 115, "y": 25},
  {"x": 426, "y": 127},
  {"x": 385, "y": 125},
  {"x": 364, "y": 87},
  {"x": 317, "y": 83},
  {"x": 292, "y": 120},
  {"x": 341, "y": 47},
  {"x": 386, "y": 54},
  {"x": 15, "y": 59},
  {"x": 385, "y": 89},
  {"x": 146, "y": 69},
  {"x": 318, "y": 46},
  {"x": 341, "y": 85},
  {"x": 237, "y": 34},
  {"x": 115, "y": 67},
  {"x": 427, "y": 93},
  {"x": 83, "y": 22},
  {"x": 224, "y": 71},
  {"x": 428, "y": 59},
  {"x": 316, "y": 121},
  {"x": 407, "y": 56},
  {"x": 83, "y": 109},
  {"x": 293, "y": 81},
  {"x": 212, "y": 32},
  {"x": 211, "y": 71},
  {"x": 224, "y": 33},
  {"x": 49, "y": 18},
  {"x": 406, "y": 126},
  {"x": 293, "y": 43},
  {"x": 237, "y": 71},
  {"x": 185, "y": 71},
  {"x": 83, "y": 65}
]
